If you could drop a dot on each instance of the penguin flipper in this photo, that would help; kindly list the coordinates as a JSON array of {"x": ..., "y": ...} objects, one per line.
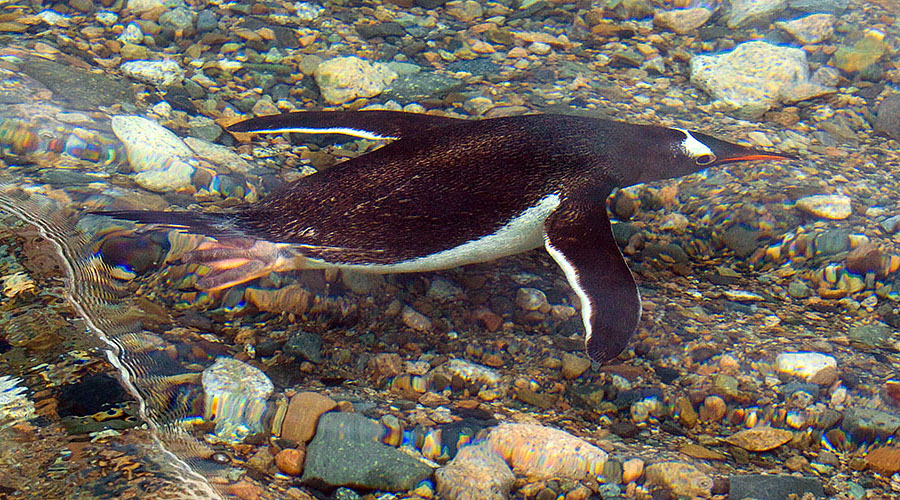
[
  {"x": 578, "y": 236},
  {"x": 374, "y": 124}
]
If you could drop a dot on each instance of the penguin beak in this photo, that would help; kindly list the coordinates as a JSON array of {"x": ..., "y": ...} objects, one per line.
[{"x": 727, "y": 152}]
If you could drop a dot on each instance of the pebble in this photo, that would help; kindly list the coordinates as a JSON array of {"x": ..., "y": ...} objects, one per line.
[
  {"x": 887, "y": 122},
  {"x": 540, "y": 452},
  {"x": 682, "y": 21},
  {"x": 344, "y": 79},
  {"x": 762, "y": 438},
  {"x": 475, "y": 473},
  {"x": 306, "y": 346},
  {"x": 713, "y": 409},
  {"x": 884, "y": 460},
  {"x": 810, "y": 29},
  {"x": 290, "y": 461},
  {"x": 236, "y": 395},
  {"x": 414, "y": 319},
  {"x": 573, "y": 365},
  {"x": 539, "y": 48},
  {"x": 632, "y": 470},
  {"x": 532, "y": 299},
  {"x": 754, "y": 12},
  {"x": 302, "y": 416},
  {"x": 803, "y": 364},
  {"x": 158, "y": 73},
  {"x": 680, "y": 479},
  {"x": 826, "y": 206},
  {"x": 862, "y": 54}
]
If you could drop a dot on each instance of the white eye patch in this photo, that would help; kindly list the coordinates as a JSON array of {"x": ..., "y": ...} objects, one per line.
[{"x": 691, "y": 146}]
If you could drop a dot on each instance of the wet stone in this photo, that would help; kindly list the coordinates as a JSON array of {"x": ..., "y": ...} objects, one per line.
[
  {"x": 423, "y": 85},
  {"x": 476, "y": 473},
  {"x": 803, "y": 364},
  {"x": 680, "y": 479},
  {"x": 754, "y": 12},
  {"x": 305, "y": 346},
  {"x": 868, "y": 425},
  {"x": 887, "y": 121},
  {"x": 773, "y": 487},
  {"x": 78, "y": 88},
  {"x": 303, "y": 414},
  {"x": 872, "y": 334},
  {"x": 346, "y": 452},
  {"x": 813, "y": 28},
  {"x": 862, "y": 54},
  {"x": 832, "y": 6},
  {"x": 826, "y": 206},
  {"x": 682, "y": 21}
]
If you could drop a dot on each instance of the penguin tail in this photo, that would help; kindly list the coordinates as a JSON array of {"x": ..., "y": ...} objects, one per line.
[{"x": 208, "y": 224}]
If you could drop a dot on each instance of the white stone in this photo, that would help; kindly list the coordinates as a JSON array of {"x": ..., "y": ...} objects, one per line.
[
  {"x": 158, "y": 73},
  {"x": 827, "y": 206},
  {"x": 236, "y": 395},
  {"x": 803, "y": 364},
  {"x": 160, "y": 158},
  {"x": 344, "y": 79}
]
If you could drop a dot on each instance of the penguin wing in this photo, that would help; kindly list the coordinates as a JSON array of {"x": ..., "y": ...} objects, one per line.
[
  {"x": 579, "y": 237},
  {"x": 374, "y": 125}
]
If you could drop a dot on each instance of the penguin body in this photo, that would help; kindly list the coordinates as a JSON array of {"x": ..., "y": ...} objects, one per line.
[{"x": 448, "y": 192}]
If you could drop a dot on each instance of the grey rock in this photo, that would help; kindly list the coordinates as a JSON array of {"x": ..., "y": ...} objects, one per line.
[
  {"x": 305, "y": 345},
  {"x": 891, "y": 224},
  {"x": 77, "y": 88},
  {"x": 833, "y": 6},
  {"x": 346, "y": 494},
  {"x": 798, "y": 290},
  {"x": 478, "y": 66},
  {"x": 206, "y": 21},
  {"x": 754, "y": 12},
  {"x": 887, "y": 121},
  {"x": 740, "y": 240},
  {"x": 204, "y": 128},
  {"x": 346, "y": 452},
  {"x": 873, "y": 334},
  {"x": 158, "y": 73},
  {"x": 177, "y": 19},
  {"x": 773, "y": 487},
  {"x": 424, "y": 85},
  {"x": 833, "y": 242},
  {"x": 868, "y": 425},
  {"x": 380, "y": 30},
  {"x": 430, "y": 4}
]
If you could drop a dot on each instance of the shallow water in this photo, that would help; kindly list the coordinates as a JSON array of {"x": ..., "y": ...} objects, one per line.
[{"x": 767, "y": 344}]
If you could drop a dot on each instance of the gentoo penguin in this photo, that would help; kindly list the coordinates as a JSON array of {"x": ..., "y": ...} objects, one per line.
[{"x": 448, "y": 192}]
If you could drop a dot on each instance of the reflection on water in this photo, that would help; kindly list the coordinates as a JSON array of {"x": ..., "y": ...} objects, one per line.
[{"x": 766, "y": 362}]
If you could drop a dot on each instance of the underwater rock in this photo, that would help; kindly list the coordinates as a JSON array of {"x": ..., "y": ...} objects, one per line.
[
  {"x": 303, "y": 415},
  {"x": 344, "y": 79},
  {"x": 754, "y": 77},
  {"x": 346, "y": 452},
  {"x": 813, "y": 28},
  {"x": 682, "y": 21},
  {"x": 158, "y": 73},
  {"x": 236, "y": 395},
  {"x": 803, "y": 364},
  {"x": 762, "y": 438},
  {"x": 160, "y": 158},
  {"x": 754, "y": 12},
  {"x": 476, "y": 473},
  {"x": 826, "y": 206},
  {"x": 540, "y": 453},
  {"x": 868, "y": 425},
  {"x": 15, "y": 406},
  {"x": 680, "y": 479},
  {"x": 773, "y": 487}
]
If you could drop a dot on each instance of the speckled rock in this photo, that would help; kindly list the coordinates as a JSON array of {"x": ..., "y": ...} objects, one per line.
[
  {"x": 476, "y": 473},
  {"x": 680, "y": 479},
  {"x": 869, "y": 425},
  {"x": 158, "y": 73},
  {"x": 773, "y": 486},
  {"x": 539, "y": 452},
  {"x": 344, "y": 79},
  {"x": 832, "y": 6},
  {"x": 682, "y": 21},
  {"x": 761, "y": 438},
  {"x": 754, "y": 77},
  {"x": 754, "y": 12},
  {"x": 826, "y": 206},
  {"x": 813, "y": 28}
]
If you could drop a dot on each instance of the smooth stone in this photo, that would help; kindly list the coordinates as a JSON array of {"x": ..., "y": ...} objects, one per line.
[
  {"x": 826, "y": 206},
  {"x": 803, "y": 364},
  {"x": 303, "y": 414},
  {"x": 832, "y": 6},
  {"x": 754, "y": 12},
  {"x": 863, "y": 54},
  {"x": 177, "y": 19},
  {"x": 868, "y": 425},
  {"x": 573, "y": 365},
  {"x": 206, "y": 21},
  {"x": 540, "y": 452},
  {"x": 887, "y": 121},
  {"x": 754, "y": 77},
  {"x": 160, "y": 158},
  {"x": 773, "y": 487},
  {"x": 680, "y": 479},
  {"x": 346, "y": 452},
  {"x": 891, "y": 224},
  {"x": 872, "y": 334},
  {"x": 798, "y": 290},
  {"x": 158, "y": 73},
  {"x": 682, "y": 21},
  {"x": 476, "y": 473},
  {"x": 305, "y": 345},
  {"x": 344, "y": 79},
  {"x": 813, "y": 28},
  {"x": 236, "y": 395},
  {"x": 77, "y": 88},
  {"x": 833, "y": 242}
]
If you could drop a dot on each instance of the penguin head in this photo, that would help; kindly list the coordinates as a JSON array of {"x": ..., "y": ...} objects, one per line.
[{"x": 674, "y": 152}]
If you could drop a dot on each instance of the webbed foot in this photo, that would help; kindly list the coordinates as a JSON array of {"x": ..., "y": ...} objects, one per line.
[{"x": 235, "y": 261}]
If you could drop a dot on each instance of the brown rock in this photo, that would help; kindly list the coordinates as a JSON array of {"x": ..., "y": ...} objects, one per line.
[
  {"x": 245, "y": 490},
  {"x": 680, "y": 479},
  {"x": 713, "y": 409},
  {"x": 762, "y": 438},
  {"x": 885, "y": 460},
  {"x": 303, "y": 414},
  {"x": 573, "y": 366},
  {"x": 825, "y": 377},
  {"x": 292, "y": 298},
  {"x": 477, "y": 472},
  {"x": 290, "y": 461},
  {"x": 701, "y": 452},
  {"x": 385, "y": 365},
  {"x": 687, "y": 416}
]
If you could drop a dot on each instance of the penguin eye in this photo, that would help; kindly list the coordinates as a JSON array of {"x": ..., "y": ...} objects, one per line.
[{"x": 705, "y": 159}]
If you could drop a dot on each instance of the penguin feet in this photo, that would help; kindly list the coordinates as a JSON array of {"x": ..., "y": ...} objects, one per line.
[{"x": 239, "y": 260}]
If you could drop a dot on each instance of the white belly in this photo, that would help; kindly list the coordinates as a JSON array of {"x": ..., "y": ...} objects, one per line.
[{"x": 522, "y": 233}]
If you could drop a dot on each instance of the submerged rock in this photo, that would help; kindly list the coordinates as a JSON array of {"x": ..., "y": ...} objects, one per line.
[
  {"x": 344, "y": 79},
  {"x": 160, "y": 158},
  {"x": 540, "y": 453},
  {"x": 754, "y": 12},
  {"x": 236, "y": 395},
  {"x": 476, "y": 473}
]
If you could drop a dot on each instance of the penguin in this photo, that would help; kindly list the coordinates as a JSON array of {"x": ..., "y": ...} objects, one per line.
[{"x": 445, "y": 192}]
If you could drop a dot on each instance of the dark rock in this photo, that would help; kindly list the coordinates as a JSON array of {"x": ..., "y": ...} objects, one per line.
[
  {"x": 305, "y": 345},
  {"x": 92, "y": 394},
  {"x": 872, "y": 334},
  {"x": 823, "y": 6},
  {"x": 380, "y": 30},
  {"x": 623, "y": 232},
  {"x": 78, "y": 88},
  {"x": 206, "y": 21},
  {"x": 887, "y": 121},
  {"x": 666, "y": 375},
  {"x": 833, "y": 242},
  {"x": 624, "y": 429},
  {"x": 344, "y": 453},
  {"x": 180, "y": 99},
  {"x": 430, "y": 4},
  {"x": 740, "y": 240},
  {"x": 479, "y": 66},
  {"x": 868, "y": 425},
  {"x": 773, "y": 487},
  {"x": 422, "y": 85},
  {"x": 670, "y": 250}
]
